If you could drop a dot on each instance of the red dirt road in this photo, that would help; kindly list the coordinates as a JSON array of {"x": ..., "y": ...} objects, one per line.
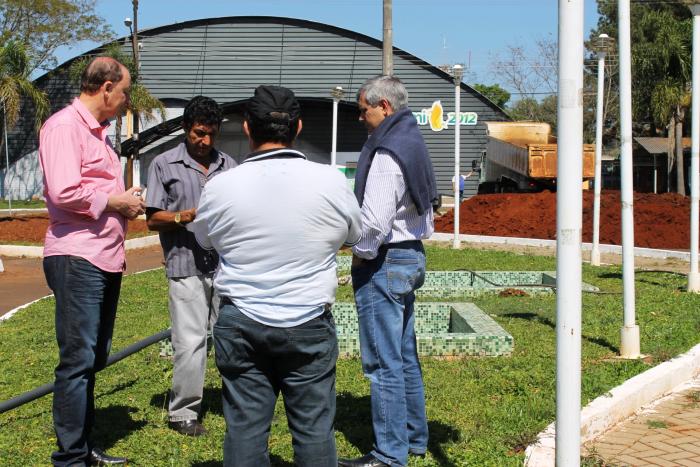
[{"x": 661, "y": 221}]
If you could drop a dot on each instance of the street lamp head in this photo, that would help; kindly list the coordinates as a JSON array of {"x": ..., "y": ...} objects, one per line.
[
  {"x": 457, "y": 72},
  {"x": 337, "y": 93},
  {"x": 127, "y": 22},
  {"x": 602, "y": 45}
]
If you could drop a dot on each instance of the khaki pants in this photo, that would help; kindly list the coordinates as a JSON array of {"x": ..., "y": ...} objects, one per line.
[{"x": 194, "y": 307}]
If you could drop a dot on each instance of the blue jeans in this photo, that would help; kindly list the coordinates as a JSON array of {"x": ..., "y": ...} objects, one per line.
[
  {"x": 384, "y": 293},
  {"x": 256, "y": 363},
  {"x": 86, "y": 305}
]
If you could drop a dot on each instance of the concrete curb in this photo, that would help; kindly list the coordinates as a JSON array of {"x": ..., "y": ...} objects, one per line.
[
  {"x": 13, "y": 311},
  {"x": 38, "y": 251},
  {"x": 620, "y": 403},
  {"x": 540, "y": 243}
]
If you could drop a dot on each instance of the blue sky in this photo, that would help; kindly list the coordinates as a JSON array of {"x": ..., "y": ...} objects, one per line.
[{"x": 439, "y": 31}]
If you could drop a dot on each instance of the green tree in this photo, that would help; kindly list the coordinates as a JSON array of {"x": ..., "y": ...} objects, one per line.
[
  {"x": 141, "y": 101},
  {"x": 15, "y": 84},
  {"x": 45, "y": 25},
  {"x": 494, "y": 93},
  {"x": 531, "y": 109},
  {"x": 660, "y": 38}
]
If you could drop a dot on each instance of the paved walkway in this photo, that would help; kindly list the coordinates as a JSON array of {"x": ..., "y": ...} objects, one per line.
[
  {"x": 667, "y": 433},
  {"x": 23, "y": 280}
]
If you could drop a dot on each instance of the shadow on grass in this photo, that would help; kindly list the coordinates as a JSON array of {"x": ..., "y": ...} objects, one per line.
[
  {"x": 275, "y": 461},
  {"x": 354, "y": 420},
  {"x": 534, "y": 317},
  {"x": 211, "y": 401},
  {"x": 114, "y": 423}
]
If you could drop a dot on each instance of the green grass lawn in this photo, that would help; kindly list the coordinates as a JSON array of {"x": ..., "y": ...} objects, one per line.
[
  {"x": 481, "y": 411},
  {"x": 22, "y": 204}
]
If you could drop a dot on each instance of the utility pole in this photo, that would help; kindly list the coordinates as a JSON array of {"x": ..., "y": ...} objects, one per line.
[
  {"x": 135, "y": 118},
  {"x": 387, "y": 49}
]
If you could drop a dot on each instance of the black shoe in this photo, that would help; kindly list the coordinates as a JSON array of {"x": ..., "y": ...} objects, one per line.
[
  {"x": 188, "y": 427},
  {"x": 99, "y": 457},
  {"x": 368, "y": 460}
]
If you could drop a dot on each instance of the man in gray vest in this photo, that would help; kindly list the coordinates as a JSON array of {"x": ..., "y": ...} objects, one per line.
[{"x": 175, "y": 181}]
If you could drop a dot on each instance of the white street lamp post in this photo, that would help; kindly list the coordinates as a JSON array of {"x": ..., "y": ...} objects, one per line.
[
  {"x": 595, "y": 250},
  {"x": 569, "y": 204},
  {"x": 693, "y": 275},
  {"x": 7, "y": 159},
  {"x": 457, "y": 71},
  {"x": 337, "y": 94},
  {"x": 629, "y": 334}
]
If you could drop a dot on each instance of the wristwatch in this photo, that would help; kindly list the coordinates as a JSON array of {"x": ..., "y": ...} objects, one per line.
[{"x": 178, "y": 218}]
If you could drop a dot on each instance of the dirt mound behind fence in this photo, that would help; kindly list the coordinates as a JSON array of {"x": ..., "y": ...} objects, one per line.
[{"x": 661, "y": 221}]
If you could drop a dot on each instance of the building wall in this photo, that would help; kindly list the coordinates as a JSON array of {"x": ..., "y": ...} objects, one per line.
[{"x": 226, "y": 58}]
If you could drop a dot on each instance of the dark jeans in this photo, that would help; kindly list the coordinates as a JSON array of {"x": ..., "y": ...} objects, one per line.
[
  {"x": 256, "y": 363},
  {"x": 86, "y": 304},
  {"x": 384, "y": 294}
]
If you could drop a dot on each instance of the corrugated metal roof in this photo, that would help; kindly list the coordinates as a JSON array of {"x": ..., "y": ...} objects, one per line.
[{"x": 658, "y": 144}]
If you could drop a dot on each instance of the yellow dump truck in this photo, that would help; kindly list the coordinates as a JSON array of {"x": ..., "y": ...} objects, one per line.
[{"x": 522, "y": 156}]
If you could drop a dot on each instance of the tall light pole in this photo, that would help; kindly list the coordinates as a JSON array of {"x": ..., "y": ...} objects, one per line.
[
  {"x": 629, "y": 334},
  {"x": 569, "y": 204},
  {"x": 693, "y": 275},
  {"x": 602, "y": 49},
  {"x": 457, "y": 71},
  {"x": 7, "y": 160},
  {"x": 337, "y": 94},
  {"x": 387, "y": 34},
  {"x": 129, "y": 182}
]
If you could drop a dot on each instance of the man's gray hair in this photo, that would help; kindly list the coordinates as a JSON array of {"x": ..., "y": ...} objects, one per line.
[{"x": 384, "y": 87}]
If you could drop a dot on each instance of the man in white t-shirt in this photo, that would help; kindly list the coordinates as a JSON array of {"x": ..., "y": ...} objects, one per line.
[{"x": 277, "y": 221}]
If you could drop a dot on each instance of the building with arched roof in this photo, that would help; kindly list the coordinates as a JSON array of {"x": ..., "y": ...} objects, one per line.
[{"x": 226, "y": 58}]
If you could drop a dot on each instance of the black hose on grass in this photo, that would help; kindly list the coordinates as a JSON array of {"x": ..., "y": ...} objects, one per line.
[{"x": 41, "y": 391}]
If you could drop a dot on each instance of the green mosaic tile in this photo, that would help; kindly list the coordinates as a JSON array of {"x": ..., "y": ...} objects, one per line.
[
  {"x": 442, "y": 329},
  {"x": 451, "y": 284}
]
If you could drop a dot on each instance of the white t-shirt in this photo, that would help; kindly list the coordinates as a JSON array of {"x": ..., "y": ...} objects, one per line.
[{"x": 277, "y": 222}]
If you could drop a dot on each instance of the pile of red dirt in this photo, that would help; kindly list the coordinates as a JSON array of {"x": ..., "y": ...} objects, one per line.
[
  {"x": 660, "y": 220},
  {"x": 31, "y": 228}
]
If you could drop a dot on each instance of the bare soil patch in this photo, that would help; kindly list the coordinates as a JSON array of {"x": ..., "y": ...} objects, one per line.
[
  {"x": 661, "y": 220},
  {"x": 31, "y": 228}
]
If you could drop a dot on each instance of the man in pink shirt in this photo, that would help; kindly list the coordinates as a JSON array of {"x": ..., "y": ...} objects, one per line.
[{"x": 84, "y": 248}]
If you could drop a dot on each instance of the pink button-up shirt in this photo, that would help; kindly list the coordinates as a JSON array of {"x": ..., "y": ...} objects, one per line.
[{"x": 81, "y": 170}]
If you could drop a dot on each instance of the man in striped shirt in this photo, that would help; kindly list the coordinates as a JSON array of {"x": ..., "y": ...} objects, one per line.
[
  {"x": 395, "y": 186},
  {"x": 175, "y": 182}
]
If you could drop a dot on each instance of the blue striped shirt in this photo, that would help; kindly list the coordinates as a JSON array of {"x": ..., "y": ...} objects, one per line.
[{"x": 388, "y": 212}]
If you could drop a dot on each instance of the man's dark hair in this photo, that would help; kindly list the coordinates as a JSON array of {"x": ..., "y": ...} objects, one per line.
[
  {"x": 203, "y": 110},
  {"x": 98, "y": 72},
  {"x": 262, "y": 131},
  {"x": 273, "y": 115}
]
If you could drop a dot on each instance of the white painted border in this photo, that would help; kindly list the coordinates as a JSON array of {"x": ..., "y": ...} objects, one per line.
[
  {"x": 620, "y": 403},
  {"x": 10, "y": 313},
  {"x": 18, "y": 251},
  {"x": 541, "y": 243}
]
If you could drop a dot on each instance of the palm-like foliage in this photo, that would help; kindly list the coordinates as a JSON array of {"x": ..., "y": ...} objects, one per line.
[
  {"x": 15, "y": 84},
  {"x": 141, "y": 101},
  {"x": 662, "y": 65}
]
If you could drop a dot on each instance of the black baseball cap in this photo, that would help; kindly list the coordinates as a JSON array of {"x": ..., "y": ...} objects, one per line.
[{"x": 274, "y": 104}]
